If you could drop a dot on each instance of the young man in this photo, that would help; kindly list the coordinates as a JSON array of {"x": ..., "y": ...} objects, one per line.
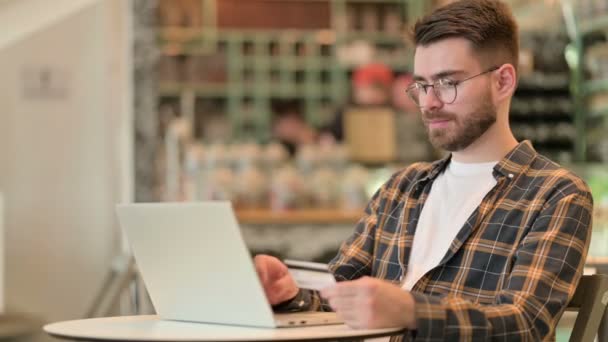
[{"x": 488, "y": 243}]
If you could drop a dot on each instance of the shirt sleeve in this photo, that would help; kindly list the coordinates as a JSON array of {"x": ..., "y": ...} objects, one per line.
[
  {"x": 547, "y": 268},
  {"x": 355, "y": 256}
]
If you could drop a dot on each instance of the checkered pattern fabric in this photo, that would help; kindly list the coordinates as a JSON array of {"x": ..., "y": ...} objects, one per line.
[{"x": 513, "y": 266}]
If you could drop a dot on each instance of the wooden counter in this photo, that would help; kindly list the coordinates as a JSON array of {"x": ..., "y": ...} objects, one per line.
[{"x": 302, "y": 216}]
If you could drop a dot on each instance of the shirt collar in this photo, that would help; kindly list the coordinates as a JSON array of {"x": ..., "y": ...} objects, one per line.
[{"x": 515, "y": 162}]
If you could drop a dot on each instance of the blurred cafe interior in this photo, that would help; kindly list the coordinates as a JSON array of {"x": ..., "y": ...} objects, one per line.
[{"x": 295, "y": 111}]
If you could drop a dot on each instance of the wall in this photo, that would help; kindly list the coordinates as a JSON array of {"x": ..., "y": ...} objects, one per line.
[{"x": 65, "y": 146}]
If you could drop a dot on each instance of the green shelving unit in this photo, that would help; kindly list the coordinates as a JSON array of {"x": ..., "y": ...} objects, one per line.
[
  {"x": 595, "y": 86},
  {"x": 581, "y": 88},
  {"x": 262, "y": 66},
  {"x": 602, "y": 113},
  {"x": 593, "y": 25}
]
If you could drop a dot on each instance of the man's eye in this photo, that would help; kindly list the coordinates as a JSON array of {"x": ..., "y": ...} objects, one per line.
[{"x": 446, "y": 82}]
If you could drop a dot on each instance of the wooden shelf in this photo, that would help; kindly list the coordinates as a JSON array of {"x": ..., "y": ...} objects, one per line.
[
  {"x": 203, "y": 89},
  {"x": 376, "y": 37},
  {"x": 260, "y": 90},
  {"x": 306, "y": 216},
  {"x": 270, "y": 60}
]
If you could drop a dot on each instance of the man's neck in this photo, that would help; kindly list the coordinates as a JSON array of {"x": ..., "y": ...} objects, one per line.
[{"x": 493, "y": 145}]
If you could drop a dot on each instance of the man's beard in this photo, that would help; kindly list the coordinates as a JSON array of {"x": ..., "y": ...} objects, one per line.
[{"x": 461, "y": 131}]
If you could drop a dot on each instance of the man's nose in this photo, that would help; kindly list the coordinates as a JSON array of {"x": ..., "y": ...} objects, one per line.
[{"x": 429, "y": 100}]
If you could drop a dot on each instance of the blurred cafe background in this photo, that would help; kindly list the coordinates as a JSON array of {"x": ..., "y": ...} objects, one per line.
[{"x": 293, "y": 110}]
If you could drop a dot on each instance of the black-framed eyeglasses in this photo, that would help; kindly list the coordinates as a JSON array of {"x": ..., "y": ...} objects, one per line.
[{"x": 445, "y": 90}]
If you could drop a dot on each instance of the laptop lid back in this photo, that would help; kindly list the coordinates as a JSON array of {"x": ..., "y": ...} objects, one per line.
[{"x": 195, "y": 263}]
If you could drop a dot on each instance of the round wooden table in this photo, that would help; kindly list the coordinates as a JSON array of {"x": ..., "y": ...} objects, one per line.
[{"x": 151, "y": 328}]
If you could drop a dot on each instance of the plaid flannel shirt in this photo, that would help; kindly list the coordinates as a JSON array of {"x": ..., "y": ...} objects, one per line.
[{"x": 512, "y": 268}]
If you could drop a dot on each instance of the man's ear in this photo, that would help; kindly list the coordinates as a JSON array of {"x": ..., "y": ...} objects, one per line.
[{"x": 505, "y": 81}]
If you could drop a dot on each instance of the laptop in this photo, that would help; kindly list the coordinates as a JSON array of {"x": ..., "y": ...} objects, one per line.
[{"x": 197, "y": 268}]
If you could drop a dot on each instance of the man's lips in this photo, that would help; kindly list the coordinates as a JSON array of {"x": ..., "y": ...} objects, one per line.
[{"x": 436, "y": 123}]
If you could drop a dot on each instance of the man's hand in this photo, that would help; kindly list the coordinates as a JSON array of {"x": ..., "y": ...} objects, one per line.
[
  {"x": 370, "y": 303},
  {"x": 278, "y": 283}
]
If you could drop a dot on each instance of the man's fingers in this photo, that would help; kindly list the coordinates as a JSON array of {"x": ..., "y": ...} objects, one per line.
[
  {"x": 343, "y": 289},
  {"x": 269, "y": 268},
  {"x": 261, "y": 269},
  {"x": 342, "y": 304},
  {"x": 349, "y": 317},
  {"x": 279, "y": 296},
  {"x": 278, "y": 284},
  {"x": 285, "y": 285},
  {"x": 352, "y": 317},
  {"x": 286, "y": 281},
  {"x": 276, "y": 268},
  {"x": 281, "y": 290}
]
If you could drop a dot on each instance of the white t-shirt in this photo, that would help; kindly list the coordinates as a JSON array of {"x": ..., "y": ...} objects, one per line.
[{"x": 455, "y": 194}]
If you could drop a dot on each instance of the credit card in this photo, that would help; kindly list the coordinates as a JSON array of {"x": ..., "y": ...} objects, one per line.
[{"x": 310, "y": 275}]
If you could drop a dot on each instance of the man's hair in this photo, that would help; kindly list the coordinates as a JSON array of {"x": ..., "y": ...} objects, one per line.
[{"x": 488, "y": 24}]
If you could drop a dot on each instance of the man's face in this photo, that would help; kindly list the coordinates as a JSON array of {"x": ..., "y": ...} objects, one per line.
[{"x": 454, "y": 126}]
